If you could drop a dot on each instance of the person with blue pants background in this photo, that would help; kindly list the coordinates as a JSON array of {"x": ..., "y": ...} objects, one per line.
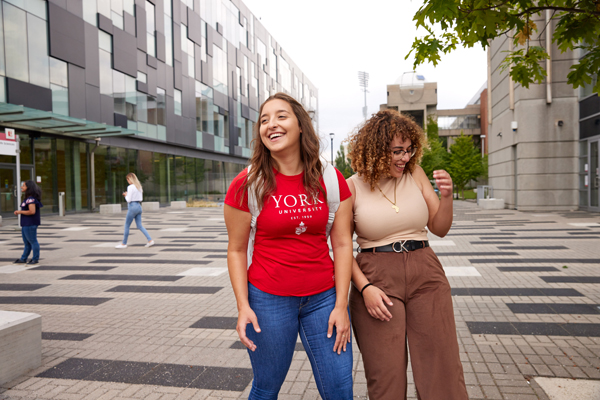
[{"x": 134, "y": 198}]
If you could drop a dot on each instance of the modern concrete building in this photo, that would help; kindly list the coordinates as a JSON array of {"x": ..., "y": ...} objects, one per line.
[
  {"x": 167, "y": 89},
  {"x": 414, "y": 96},
  {"x": 534, "y": 133}
]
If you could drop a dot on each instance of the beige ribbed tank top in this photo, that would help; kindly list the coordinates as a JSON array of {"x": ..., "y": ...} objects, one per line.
[{"x": 375, "y": 221}]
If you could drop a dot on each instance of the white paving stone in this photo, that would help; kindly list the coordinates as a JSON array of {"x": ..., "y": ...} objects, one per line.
[
  {"x": 106, "y": 244},
  {"x": 569, "y": 389},
  {"x": 200, "y": 271},
  {"x": 76, "y": 228},
  {"x": 461, "y": 271},
  {"x": 584, "y": 224},
  {"x": 440, "y": 243},
  {"x": 173, "y": 229},
  {"x": 12, "y": 268}
]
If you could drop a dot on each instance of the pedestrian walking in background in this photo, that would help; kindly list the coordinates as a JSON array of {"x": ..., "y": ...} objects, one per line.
[
  {"x": 30, "y": 220},
  {"x": 134, "y": 198},
  {"x": 400, "y": 292},
  {"x": 290, "y": 285}
]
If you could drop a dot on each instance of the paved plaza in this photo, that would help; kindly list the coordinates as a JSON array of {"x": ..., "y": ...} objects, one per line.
[{"x": 159, "y": 323}]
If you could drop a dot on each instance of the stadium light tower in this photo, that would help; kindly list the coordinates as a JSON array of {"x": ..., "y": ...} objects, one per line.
[{"x": 363, "y": 81}]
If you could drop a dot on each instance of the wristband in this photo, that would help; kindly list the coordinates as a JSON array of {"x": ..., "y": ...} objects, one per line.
[{"x": 364, "y": 287}]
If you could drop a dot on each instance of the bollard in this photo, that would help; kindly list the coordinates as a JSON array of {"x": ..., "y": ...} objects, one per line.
[{"x": 61, "y": 204}]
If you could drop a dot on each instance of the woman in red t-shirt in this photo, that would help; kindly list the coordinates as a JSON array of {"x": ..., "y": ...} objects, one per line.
[{"x": 292, "y": 285}]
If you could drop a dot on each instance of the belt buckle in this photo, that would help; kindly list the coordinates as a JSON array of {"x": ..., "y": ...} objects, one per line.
[{"x": 402, "y": 248}]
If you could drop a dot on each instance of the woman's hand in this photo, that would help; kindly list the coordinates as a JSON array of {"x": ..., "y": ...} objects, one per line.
[
  {"x": 443, "y": 182},
  {"x": 247, "y": 316},
  {"x": 17, "y": 212},
  {"x": 339, "y": 318},
  {"x": 124, "y": 193},
  {"x": 375, "y": 301}
]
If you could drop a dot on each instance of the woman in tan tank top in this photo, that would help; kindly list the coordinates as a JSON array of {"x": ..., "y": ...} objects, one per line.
[{"x": 400, "y": 293}]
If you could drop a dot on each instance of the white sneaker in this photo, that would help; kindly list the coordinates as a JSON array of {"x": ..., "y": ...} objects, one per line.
[
  {"x": 150, "y": 244},
  {"x": 121, "y": 246}
]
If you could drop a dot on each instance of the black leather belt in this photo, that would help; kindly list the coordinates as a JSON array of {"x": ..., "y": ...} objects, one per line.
[{"x": 398, "y": 247}]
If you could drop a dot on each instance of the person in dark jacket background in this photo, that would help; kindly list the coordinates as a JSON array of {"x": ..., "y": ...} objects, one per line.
[{"x": 30, "y": 220}]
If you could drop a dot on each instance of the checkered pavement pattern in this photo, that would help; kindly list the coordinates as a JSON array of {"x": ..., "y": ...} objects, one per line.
[{"x": 158, "y": 323}]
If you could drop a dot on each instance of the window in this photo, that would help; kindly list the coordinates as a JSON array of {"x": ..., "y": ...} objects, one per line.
[
  {"x": 119, "y": 91},
  {"x": 106, "y": 73},
  {"x": 60, "y": 99},
  {"x": 130, "y": 98},
  {"x": 161, "y": 105},
  {"x": 177, "y": 102},
  {"x": 58, "y": 72},
  {"x": 219, "y": 70},
  {"x": 286, "y": 75},
  {"x": 150, "y": 29},
  {"x": 15, "y": 28},
  {"x": 168, "y": 6}
]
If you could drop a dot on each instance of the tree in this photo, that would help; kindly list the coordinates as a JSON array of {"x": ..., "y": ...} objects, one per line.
[
  {"x": 465, "y": 162},
  {"x": 435, "y": 156},
  {"x": 471, "y": 22},
  {"x": 342, "y": 163}
]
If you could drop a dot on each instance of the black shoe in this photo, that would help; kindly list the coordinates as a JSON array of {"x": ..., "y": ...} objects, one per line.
[
  {"x": 32, "y": 262},
  {"x": 19, "y": 261}
]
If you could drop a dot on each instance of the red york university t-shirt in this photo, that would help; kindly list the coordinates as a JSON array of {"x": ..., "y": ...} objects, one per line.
[{"x": 291, "y": 254}]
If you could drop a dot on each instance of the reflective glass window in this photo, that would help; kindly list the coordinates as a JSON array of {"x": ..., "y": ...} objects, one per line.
[
  {"x": 15, "y": 28},
  {"x": 152, "y": 111},
  {"x": 39, "y": 65},
  {"x": 104, "y": 8},
  {"x": 106, "y": 73},
  {"x": 177, "y": 98},
  {"x": 130, "y": 98},
  {"x": 117, "y": 6},
  {"x": 105, "y": 41},
  {"x": 2, "y": 66},
  {"x": 129, "y": 6},
  {"x": 161, "y": 107},
  {"x": 35, "y": 7},
  {"x": 151, "y": 29},
  {"x": 142, "y": 107},
  {"x": 2, "y": 89},
  {"x": 219, "y": 70},
  {"x": 58, "y": 72},
  {"x": 60, "y": 99},
  {"x": 168, "y": 39},
  {"x": 119, "y": 92},
  {"x": 117, "y": 20}
]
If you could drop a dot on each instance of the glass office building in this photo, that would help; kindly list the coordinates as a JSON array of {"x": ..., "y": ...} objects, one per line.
[{"x": 166, "y": 89}]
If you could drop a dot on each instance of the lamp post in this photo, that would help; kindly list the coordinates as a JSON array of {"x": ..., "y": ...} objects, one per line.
[{"x": 331, "y": 135}]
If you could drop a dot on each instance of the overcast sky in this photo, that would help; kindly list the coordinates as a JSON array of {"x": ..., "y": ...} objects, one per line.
[{"x": 331, "y": 40}]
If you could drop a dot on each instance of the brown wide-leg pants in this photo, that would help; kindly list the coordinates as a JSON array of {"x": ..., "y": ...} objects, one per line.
[{"x": 422, "y": 313}]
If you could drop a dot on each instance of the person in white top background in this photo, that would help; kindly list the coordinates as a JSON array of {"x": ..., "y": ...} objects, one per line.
[{"x": 134, "y": 198}]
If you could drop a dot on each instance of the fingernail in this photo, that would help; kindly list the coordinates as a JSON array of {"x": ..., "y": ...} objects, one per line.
[{"x": 328, "y": 335}]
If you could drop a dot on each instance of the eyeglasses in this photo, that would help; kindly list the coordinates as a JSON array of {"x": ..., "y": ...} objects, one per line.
[{"x": 402, "y": 153}]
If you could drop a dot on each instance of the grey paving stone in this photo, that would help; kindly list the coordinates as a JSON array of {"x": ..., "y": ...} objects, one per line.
[
  {"x": 77, "y": 337},
  {"x": 166, "y": 289},
  {"x": 69, "y": 268},
  {"x": 90, "y": 277},
  {"x": 525, "y": 260},
  {"x": 119, "y": 254},
  {"x": 553, "y": 308},
  {"x": 24, "y": 287},
  {"x": 534, "y": 328},
  {"x": 527, "y": 269},
  {"x": 215, "y": 323},
  {"x": 111, "y": 261},
  {"x": 571, "y": 279},
  {"x": 217, "y": 378},
  {"x": 55, "y": 300},
  {"x": 515, "y": 292}
]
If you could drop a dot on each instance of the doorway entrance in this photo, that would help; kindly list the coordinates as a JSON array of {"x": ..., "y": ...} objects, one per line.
[{"x": 10, "y": 191}]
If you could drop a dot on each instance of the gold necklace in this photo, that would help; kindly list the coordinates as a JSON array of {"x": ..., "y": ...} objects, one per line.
[{"x": 394, "y": 206}]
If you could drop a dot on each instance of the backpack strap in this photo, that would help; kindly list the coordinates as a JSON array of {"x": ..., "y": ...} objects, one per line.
[
  {"x": 254, "y": 210},
  {"x": 332, "y": 187}
]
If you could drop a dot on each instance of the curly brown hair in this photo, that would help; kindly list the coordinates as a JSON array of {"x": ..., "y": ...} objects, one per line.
[{"x": 370, "y": 153}]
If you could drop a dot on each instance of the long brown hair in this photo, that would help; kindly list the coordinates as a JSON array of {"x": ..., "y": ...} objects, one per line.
[
  {"x": 370, "y": 153},
  {"x": 261, "y": 173}
]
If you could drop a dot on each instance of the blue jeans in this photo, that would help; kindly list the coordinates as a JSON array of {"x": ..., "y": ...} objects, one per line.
[
  {"x": 134, "y": 211},
  {"x": 29, "y": 234},
  {"x": 281, "y": 318}
]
